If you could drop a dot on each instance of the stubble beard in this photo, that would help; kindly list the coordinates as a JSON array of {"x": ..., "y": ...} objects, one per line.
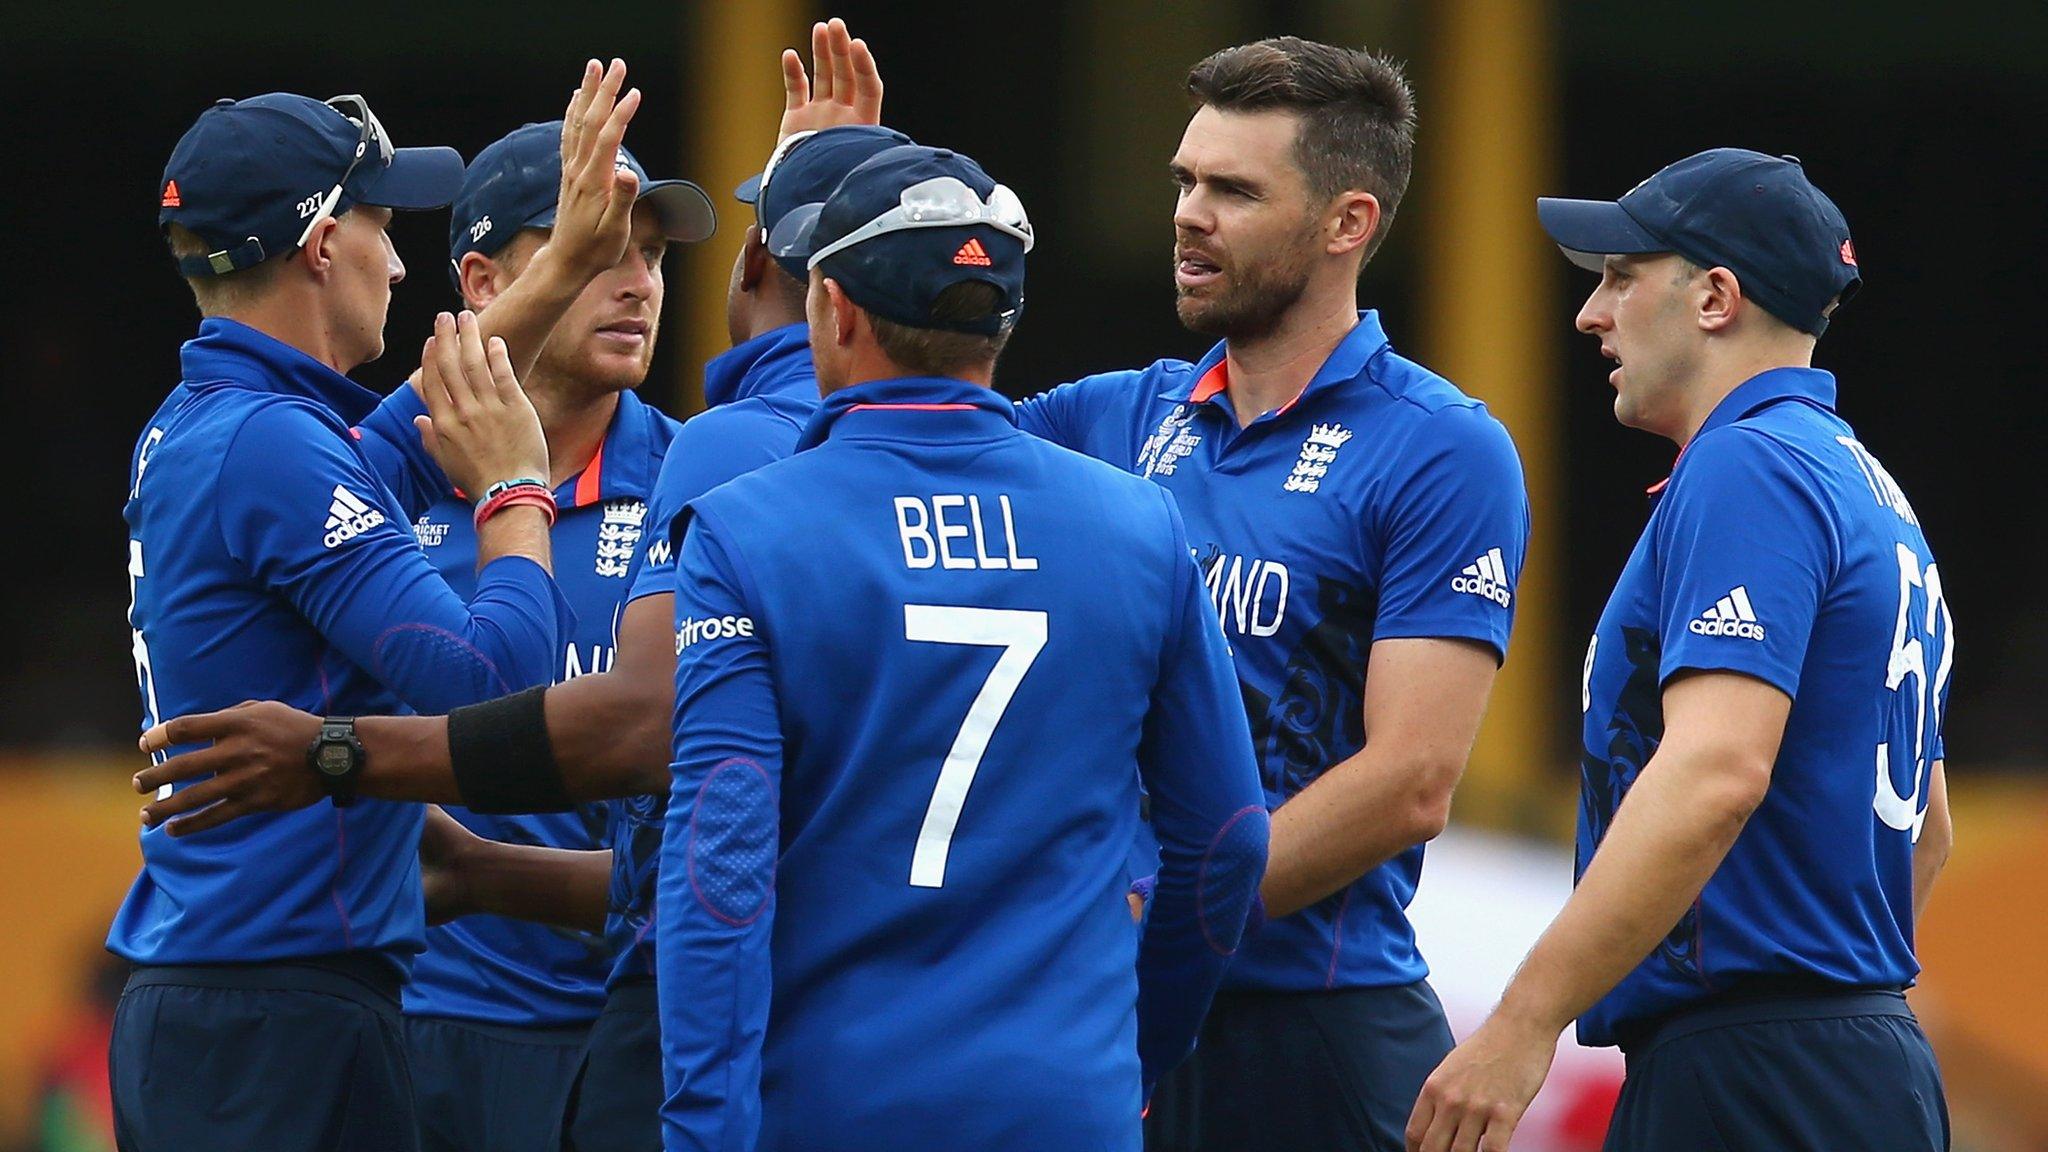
[{"x": 1252, "y": 303}]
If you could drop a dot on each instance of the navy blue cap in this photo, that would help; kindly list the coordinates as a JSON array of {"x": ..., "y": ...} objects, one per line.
[
  {"x": 516, "y": 183},
  {"x": 905, "y": 225},
  {"x": 251, "y": 177},
  {"x": 1757, "y": 216},
  {"x": 804, "y": 170}
]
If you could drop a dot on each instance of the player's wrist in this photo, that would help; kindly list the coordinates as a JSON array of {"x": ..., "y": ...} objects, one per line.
[{"x": 1526, "y": 1014}]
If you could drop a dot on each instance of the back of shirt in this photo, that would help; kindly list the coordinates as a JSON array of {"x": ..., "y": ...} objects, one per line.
[
  {"x": 921, "y": 668},
  {"x": 1782, "y": 550}
]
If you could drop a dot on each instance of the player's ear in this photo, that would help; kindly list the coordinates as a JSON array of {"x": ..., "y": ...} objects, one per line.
[
  {"x": 1720, "y": 299},
  {"x": 480, "y": 280},
  {"x": 845, "y": 313},
  {"x": 1352, "y": 221},
  {"x": 318, "y": 255},
  {"x": 753, "y": 259}
]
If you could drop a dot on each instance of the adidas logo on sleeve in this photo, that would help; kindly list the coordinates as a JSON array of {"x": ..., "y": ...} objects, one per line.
[
  {"x": 1486, "y": 577},
  {"x": 348, "y": 517},
  {"x": 1731, "y": 615}
]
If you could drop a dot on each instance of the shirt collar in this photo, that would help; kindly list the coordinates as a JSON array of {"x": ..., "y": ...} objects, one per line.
[
  {"x": 1210, "y": 378},
  {"x": 774, "y": 363},
  {"x": 934, "y": 407},
  {"x": 1771, "y": 386},
  {"x": 627, "y": 458},
  {"x": 229, "y": 352},
  {"x": 1810, "y": 385}
]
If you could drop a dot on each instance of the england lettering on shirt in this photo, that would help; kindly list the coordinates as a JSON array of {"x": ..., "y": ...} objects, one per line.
[
  {"x": 934, "y": 531},
  {"x": 574, "y": 663},
  {"x": 1250, "y": 595}
]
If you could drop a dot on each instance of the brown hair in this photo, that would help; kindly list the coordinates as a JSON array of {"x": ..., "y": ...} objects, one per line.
[
  {"x": 937, "y": 351},
  {"x": 1356, "y": 107},
  {"x": 220, "y": 295}
]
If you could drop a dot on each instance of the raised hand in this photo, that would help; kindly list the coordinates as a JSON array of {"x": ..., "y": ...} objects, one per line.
[
  {"x": 848, "y": 88},
  {"x": 256, "y": 758},
  {"x": 594, "y": 216},
  {"x": 479, "y": 426}
]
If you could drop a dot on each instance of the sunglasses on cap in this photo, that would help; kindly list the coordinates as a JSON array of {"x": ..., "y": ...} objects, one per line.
[
  {"x": 358, "y": 112},
  {"x": 940, "y": 202}
]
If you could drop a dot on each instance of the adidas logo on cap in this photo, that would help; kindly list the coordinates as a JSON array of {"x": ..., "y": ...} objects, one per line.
[
  {"x": 1486, "y": 577},
  {"x": 972, "y": 253},
  {"x": 1731, "y": 615},
  {"x": 348, "y": 517}
]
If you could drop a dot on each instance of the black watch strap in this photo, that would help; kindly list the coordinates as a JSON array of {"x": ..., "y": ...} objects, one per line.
[{"x": 337, "y": 758}]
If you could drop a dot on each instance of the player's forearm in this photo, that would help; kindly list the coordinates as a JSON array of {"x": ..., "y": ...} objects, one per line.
[
  {"x": 610, "y": 733},
  {"x": 526, "y": 312},
  {"x": 1356, "y": 816},
  {"x": 1680, "y": 819},
  {"x": 406, "y": 758},
  {"x": 520, "y": 530},
  {"x": 1937, "y": 838},
  {"x": 560, "y": 886},
  {"x": 608, "y": 736}
]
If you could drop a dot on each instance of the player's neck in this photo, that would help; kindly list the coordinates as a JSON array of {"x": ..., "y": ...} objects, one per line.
[
  {"x": 867, "y": 363},
  {"x": 290, "y": 319},
  {"x": 1732, "y": 370},
  {"x": 573, "y": 419},
  {"x": 1268, "y": 370}
]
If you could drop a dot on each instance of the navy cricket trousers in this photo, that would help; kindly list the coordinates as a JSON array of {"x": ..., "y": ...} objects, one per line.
[{"x": 284, "y": 1057}]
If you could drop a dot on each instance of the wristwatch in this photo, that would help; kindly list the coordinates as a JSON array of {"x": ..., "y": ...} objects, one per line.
[{"x": 338, "y": 758}]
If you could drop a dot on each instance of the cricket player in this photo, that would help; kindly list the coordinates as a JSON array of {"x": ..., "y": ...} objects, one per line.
[
  {"x": 605, "y": 734},
  {"x": 1360, "y": 526},
  {"x": 1762, "y": 807},
  {"x": 267, "y": 560},
  {"x": 922, "y": 665},
  {"x": 498, "y": 1010}
]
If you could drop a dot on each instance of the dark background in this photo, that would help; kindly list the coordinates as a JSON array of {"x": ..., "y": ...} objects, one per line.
[{"x": 1926, "y": 129}]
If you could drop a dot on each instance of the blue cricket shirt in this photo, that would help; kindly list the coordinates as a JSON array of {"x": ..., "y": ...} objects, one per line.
[
  {"x": 267, "y": 561},
  {"x": 1781, "y": 549},
  {"x": 923, "y": 665},
  {"x": 1379, "y": 503},
  {"x": 761, "y": 392},
  {"x": 490, "y": 968}
]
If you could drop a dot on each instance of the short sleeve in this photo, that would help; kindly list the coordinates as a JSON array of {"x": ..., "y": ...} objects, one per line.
[
  {"x": 1082, "y": 416},
  {"x": 1453, "y": 533},
  {"x": 1744, "y": 552}
]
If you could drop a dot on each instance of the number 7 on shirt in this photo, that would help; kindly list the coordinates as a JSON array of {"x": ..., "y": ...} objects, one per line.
[{"x": 1021, "y": 636}]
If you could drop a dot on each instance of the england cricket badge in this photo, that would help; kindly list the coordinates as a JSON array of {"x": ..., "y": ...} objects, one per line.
[{"x": 1318, "y": 452}]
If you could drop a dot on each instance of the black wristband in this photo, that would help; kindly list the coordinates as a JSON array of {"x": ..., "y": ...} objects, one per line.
[{"x": 504, "y": 763}]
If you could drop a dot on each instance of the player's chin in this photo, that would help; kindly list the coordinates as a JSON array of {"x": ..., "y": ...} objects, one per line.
[
  {"x": 616, "y": 371},
  {"x": 1207, "y": 317}
]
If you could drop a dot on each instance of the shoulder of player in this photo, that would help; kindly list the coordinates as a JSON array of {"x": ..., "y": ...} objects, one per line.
[
  {"x": 267, "y": 429},
  {"x": 1414, "y": 390},
  {"x": 1743, "y": 450},
  {"x": 1138, "y": 385},
  {"x": 1430, "y": 424}
]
